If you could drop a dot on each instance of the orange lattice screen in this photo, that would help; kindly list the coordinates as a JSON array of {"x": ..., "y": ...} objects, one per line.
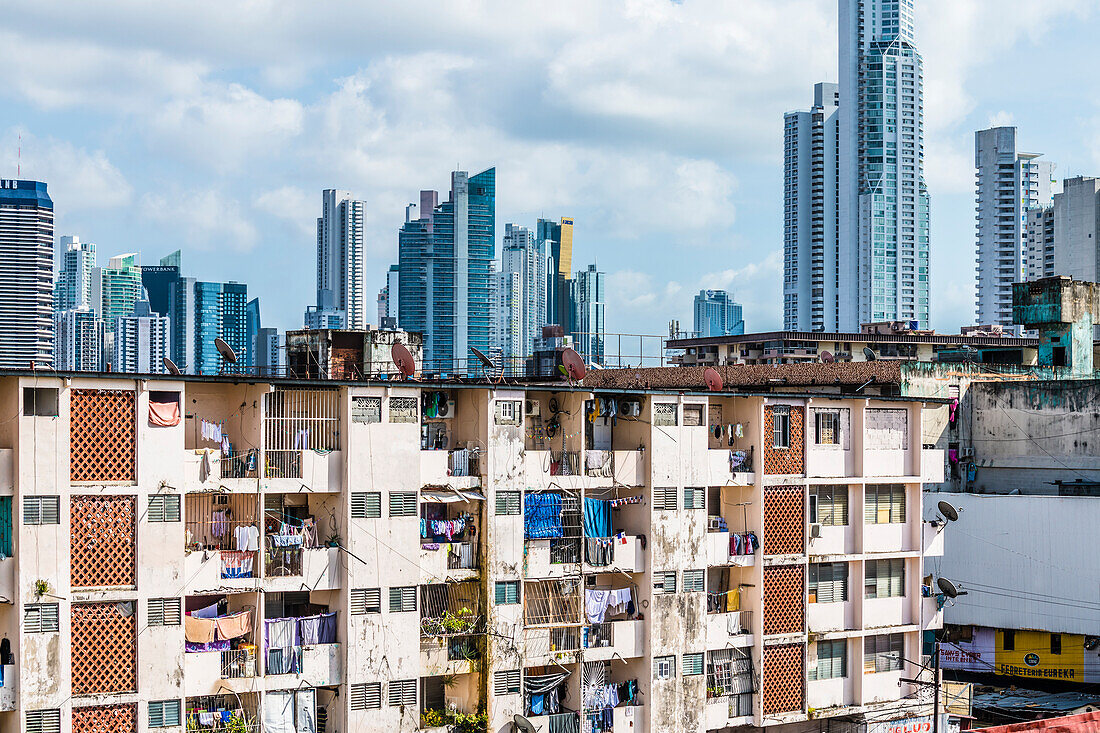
[
  {"x": 782, "y": 679},
  {"x": 105, "y": 719},
  {"x": 102, "y": 441},
  {"x": 103, "y": 541},
  {"x": 784, "y": 460},
  {"x": 783, "y": 528},
  {"x": 784, "y": 609},
  {"x": 104, "y": 649}
]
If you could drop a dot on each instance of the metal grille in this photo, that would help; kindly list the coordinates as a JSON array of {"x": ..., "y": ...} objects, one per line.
[
  {"x": 41, "y": 510},
  {"x": 447, "y": 609},
  {"x": 102, "y": 426},
  {"x": 506, "y": 682},
  {"x": 694, "y": 581},
  {"x": 164, "y": 508},
  {"x": 43, "y": 721},
  {"x": 402, "y": 503},
  {"x": 507, "y": 502},
  {"x": 40, "y": 618},
  {"x": 789, "y": 460},
  {"x": 164, "y": 713},
  {"x": 366, "y": 504},
  {"x": 691, "y": 664},
  {"x": 694, "y": 497},
  {"x": 551, "y": 602},
  {"x": 782, "y": 679},
  {"x": 664, "y": 497},
  {"x": 402, "y": 693},
  {"x": 301, "y": 419},
  {"x": 164, "y": 611},
  {"x": 106, "y": 719},
  {"x": 507, "y": 592},
  {"x": 664, "y": 582},
  {"x": 664, "y": 414},
  {"x": 403, "y": 599},
  {"x": 104, "y": 650},
  {"x": 366, "y": 696},
  {"x": 783, "y": 599},
  {"x": 783, "y": 527},
  {"x": 366, "y": 600},
  {"x": 103, "y": 541}
]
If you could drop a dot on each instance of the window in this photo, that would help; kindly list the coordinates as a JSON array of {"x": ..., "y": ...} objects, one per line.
[
  {"x": 693, "y": 581},
  {"x": 509, "y": 412},
  {"x": 781, "y": 426},
  {"x": 828, "y": 582},
  {"x": 883, "y": 653},
  {"x": 664, "y": 668},
  {"x": 693, "y": 416},
  {"x": 692, "y": 664},
  {"x": 366, "y": 505},
  {"x": 827, "y": 427},
  {"x": 664, "y": 582},
  {"x": 164, "y": 508},
  {"x": 885, "y": 578},
  {"x": 832, "y": 660},
  {"x": 366, "y": 600},
  {"x": 164, "y": 713},
  {"x": 1055, "y": 643},
  {"x": 366, "y": 696},
  {"x": 40, "y": 618},
  {"x": 366, "y": 409},
  {"x": 41, "y": 510},
  {"x": 403, "y": 600},
  {"x": 402, "y": 693},
  {"x": 884, "y": 504},
  {"x": 664, "y": 497},
  {"x": 402, "y": 503},
  {"x": 43, "y": 721},
  {"x": 506, "y": 682},
  {"x": 1009, "y": 640},
  {"x": 40, "y": 401},
  {"x": 664, "y": 414},
  {"x": 507, "y": 592},
  {"x": 164, "y": 611},
  {"x": 694, "y": 497},
  {"x": 829, "y": 506},
  {"x": 507, "y": 502},
  {"x": 404, "y": 409}
]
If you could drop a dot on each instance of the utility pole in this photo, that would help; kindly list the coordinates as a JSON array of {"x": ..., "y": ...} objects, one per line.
[{"x": 936, "y": 687}]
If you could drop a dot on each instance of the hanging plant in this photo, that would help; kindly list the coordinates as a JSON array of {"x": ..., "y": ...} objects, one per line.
[{"x": 41, "y": 588}]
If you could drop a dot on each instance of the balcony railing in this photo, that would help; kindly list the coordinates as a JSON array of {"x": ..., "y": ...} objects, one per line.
[
  {"x": 741, "y": 461},
  {"x": 599, "y": 463},
  {"x": 281, "y": 561},
  {"x": 238, "y": 663},
  {"x": 597, "y": 635},
  {"x": 565, "y": 463},
  {"x": 282, "y": 464},
  {"x": 238, "y": 564},
  {"x": 240, "y": 464},
  {"x": 463, "y": 556},
  {"x": 286, "y": 660},
  {"x": 463, "y": 462}
]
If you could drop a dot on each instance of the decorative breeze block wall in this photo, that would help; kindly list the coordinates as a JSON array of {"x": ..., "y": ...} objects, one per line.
[
  {"x": 782, "y": 676},
  {"x": 104, "y": 650},
  {"x": 780, "y": 461},
  {"x": 783, "y": 599},
  {"x": 105, "y": 719},
  {"x": 103, "y": 541},
  {"x": 102, "y": 436},
  {"x": 784, "y": 525}
]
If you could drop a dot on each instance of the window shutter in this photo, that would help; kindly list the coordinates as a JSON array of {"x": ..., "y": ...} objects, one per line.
[
  {"x": 164, "y": 611},
  {"x": 40, "y": 618},
  {"x": 366, "y": 600},
  {"x": 664, "y": 497},
  {"x": 41, "y": 510},
  {"x": 506, "y": 682},
  {"x": 693, "y": 581},
  {"x": 694, "y": 497},
  {"x": 507, "y": 592},
  {"x": 507, "y": 502},
  {"x": 402, "y": 503},
  {"x": 692, "y": 664},
  {"x": 402, "y": 693},
  {"x": 403, "y": 599},
  {"x": 164, "y": 713},
  {"x": 366, "y": 696},
  {"x": 366, "y": 505},
  {"x": 665, "y": 582},
  {"x": 43, "y": 721},
  {"x": 164, "y": 508}
]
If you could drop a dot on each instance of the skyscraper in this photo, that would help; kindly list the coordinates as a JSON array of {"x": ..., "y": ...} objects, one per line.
[
  {"x": 1077, "y": 229},
  {"x": 555, "y": 239},
  {"x": 526, "y": 256},
  {"x": 74, "y": 278},
  {"x": 340, "y": 285},
  {"x": 115, "y": 289},
  {"x": 79, "y": 344},
  {"x": 811, "y": 291},
  {"x": 1040, "y": 243},
  {"x": 506, "y": 337},
  {"x": 26, "y": 274},
  {"x": 141, "y": 340},
  {"x": 388, "y": 298},
  {"x": 267, "y": 352},
  {"x": 586, "y": 292},
  {"x": 201, "y": 312},
  {"x": 884, "y": 206},
  {"x": 1009, "y": 184},
  {"x": 716, "y": 314},
  {"x": 159, "y": 281},
  {"x": 446, "y": 261}
]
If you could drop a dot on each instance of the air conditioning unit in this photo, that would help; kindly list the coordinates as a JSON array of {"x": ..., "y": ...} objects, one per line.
[
  {"x": 630, "y": 409},
  {"x": 815, "y": 531},
  {"x": 531, "y": 407},
  {"x": 446, "y": 409}
]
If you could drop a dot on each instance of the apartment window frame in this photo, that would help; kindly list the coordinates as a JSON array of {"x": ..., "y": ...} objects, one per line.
[
  {"x": 664, "y": 667},
  {"x": 46, "y": 720},
  {"x": 163, "y": 508},
  {"x": 508, "y": 503},
  {"x": 364, "y": 601},
  {"x": 665, "y": 498},
  {"x": 41, "y": 618},
  {"x": 884, "y": 504},
  {"x": 692, "y": 664},
  {"x": 507, "y": 593},
  {"x": 403, "y": 503},
  {"x": 695, "y": 497},
  {"x": 877, "y": 585},
  {"x": 366, "y": 504},
  {"x": 664, "y": 582},
  {"x": 41, "y": 510},
  {"x": 366, "y": 696},
  {"x": 836, "y": 660},
  {"x": 694, "y": 581},
  {"x": 507, "y": 682},
  {"x": 164, "y": 612},
  {"x": 402, "y": 693},
  {"x": 41, "y": 401},
  {"x": 883, "y": 653},
  {"x": 665, "y": 414},
  {"x": 1008, "y": 639},
  {"x": 827, "y": 582},
  {"x": 402, "y": 599},
  {"x": 826, "y": 504},
  {"x": 781, "y": 427},
  {"x": 164, "y": 713},
  {"x": 827, "y": 430}
]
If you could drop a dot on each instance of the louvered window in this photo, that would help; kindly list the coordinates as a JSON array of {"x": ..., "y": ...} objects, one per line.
[
  {"x": 507, "y": 592},
  {"x": 832, "y": 660},
  {"x": 164, "y": 713},
  {"x": 43, "y": 721},
  {"x": 40, "y": 618},
  {"x": 664, "y": 497},
  {"x": 692, "y": 664},
  {"x": 164, "y": 508},
  {"x": 402, "y": 693},
  {"x": 664, "y": 582},
  {"x": 41, "y": 510},
  {"x": 366, "y": 505},
  {"x": 828, "y": 582},
  {"x": 402, "y": 503},
  {"x": 883, "y": 653},
  {"x": 164, "y": 611},
  {"x": 885, "y": 578},
  {"x": 366, "y": 696},
  {"x": 694, "y": 497},
  {"x": 403, "y": 599},
  {"x": 506, "y": 682},
  {"x": 693, "y": 581},
  {"x": 829, "y": 505},
  {"x": 366, "y": 600},
  {"x": 507, "y": 502}
]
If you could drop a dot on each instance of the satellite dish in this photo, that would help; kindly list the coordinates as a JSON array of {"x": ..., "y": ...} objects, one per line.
[
  {"x": 485, "y": 361},
  {"x": 170, "y": 366},
  {"x": 827, "y": 357},
  {"x": 1091, "y": 642},
  {"x": 523, "y": 725},
  {"x": 947, "y": 587},
  {"x": 713, "y": 379},
  {"x": 225, "y": 350},
  {"x": 402, "y": 359},
  {"x": 871, "y": 356},
  {"x": 574, "y": 364},
  {"x": 950, "y": 513}
]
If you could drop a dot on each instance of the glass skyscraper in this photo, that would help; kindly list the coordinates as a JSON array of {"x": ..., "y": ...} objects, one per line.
[
  {"x": 201, "y": 312},
  {"x": 115, "y": 289},
  {"x": 587, "y": 320},
  {"x": 74, "y": 279},
  {"x": 717, "y": 314}
]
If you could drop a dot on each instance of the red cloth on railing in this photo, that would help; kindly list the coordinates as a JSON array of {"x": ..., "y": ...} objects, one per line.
[{"x": 164, "y": 414}]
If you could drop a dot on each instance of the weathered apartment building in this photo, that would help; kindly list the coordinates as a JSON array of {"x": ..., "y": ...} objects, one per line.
[{"x": 230, "y": 554}]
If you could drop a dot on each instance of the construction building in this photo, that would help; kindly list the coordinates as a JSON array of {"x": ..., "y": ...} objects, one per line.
[{"x": 304, "y": 556}]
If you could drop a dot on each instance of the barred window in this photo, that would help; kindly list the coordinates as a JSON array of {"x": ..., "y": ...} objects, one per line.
[
  {"x": 507, "y": 502},
  {"x": 827, "y": 427},
  {"x": 781, "y": 426},
  {"x": 664, "y": 414},
  {"x": 695, "y": 497},
  {"x": 692, "y": 664},
  {"x": 41, "y": 510},
  {"x": 883, "y": 653},
  {"x": 404, "y": 409},
  {"x": 366, "y": 696},
  {"x": 402, "y": 503},
  {"x": 664, "y": 582},
  {"x": 402, "y": 693},
  {"x": 828, "y": 582},
  {"x": 829, "y": 505},
  {"x": 366, "y": 504},
  {"x": 164, "y": 611},
  {"x": 885, "y": 578},
  {"x": 164, "y": 508},
  {"x": 832, "y": 660},
  {"x": 403, "y": 599},
  {"x": 506, "y": 682},
  {"x": 694, "y": 581},
  {"x": 884, "y": 504},
  {"x": 507, "y": 592},
  {"x": 164, "y": 713},
  {"x": 664, "y": 497},
  {"x": 40, "y": 618},
  {"x": 366, "y": 600}
]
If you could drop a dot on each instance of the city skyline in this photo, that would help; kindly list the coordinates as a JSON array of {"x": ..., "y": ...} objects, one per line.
[{"x": 686, "y": 191}]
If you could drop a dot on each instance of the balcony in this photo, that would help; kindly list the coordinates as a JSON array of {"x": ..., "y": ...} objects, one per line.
[
  {"x": 450, "y": 656},
  {"x": 731, "y": 548},
  {"x": 892, "y": 611},
  {"x": 729, "y": 629},
  {"x": 892, "y": 537},
  {"x": 825, "y": 617},
  {"x": 459, "y": 468},
  {"x": 729, "y": 467},
  {"x": 728, "y": 711},
  {"x": 832, "y": 540},
  {"x": 613, "y": 638},
  {"x": 831, "y": 693},
  {"x": 829, "y": 461},
  {"x": 9, "y": 688},
  {"x": 545, "y": 645},
  {"x": 611, "y": 554}
]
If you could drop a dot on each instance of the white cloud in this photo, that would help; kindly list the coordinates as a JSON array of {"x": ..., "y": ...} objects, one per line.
[
  {"x": 78, "y": 179},
  {"x": 1002, "y": 118},
  {"x": 208, "y": 219},
  {"x": 291, "y": 204}
]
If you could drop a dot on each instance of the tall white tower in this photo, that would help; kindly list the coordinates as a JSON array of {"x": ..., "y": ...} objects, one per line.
[{"x": 340, "y": 252}]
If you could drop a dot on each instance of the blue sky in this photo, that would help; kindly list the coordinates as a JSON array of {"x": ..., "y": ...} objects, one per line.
[{"x": 212, "y": 127}]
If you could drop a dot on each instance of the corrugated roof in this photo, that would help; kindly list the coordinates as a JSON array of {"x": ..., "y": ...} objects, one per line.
[{"x": 750, "y": 375}]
